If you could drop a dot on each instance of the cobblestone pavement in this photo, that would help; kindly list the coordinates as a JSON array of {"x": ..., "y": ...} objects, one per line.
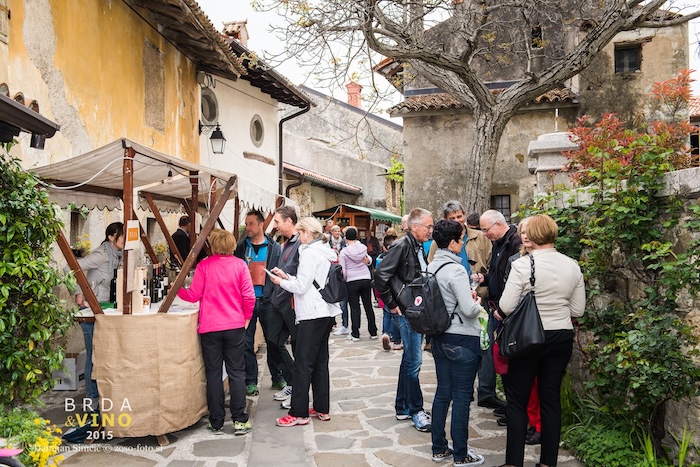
[{"x": 362, "y": 431}]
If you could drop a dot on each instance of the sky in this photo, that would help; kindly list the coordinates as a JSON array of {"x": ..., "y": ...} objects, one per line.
[{"x": 261, "y": 40}]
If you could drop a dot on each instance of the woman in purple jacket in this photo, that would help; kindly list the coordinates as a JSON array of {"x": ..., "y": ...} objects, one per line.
[
  {"x": 226, "y": 296},
  {"x": 354, "y": 260}
]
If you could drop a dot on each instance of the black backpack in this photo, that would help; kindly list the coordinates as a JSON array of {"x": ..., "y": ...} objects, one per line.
[
  {"x": 424, "y": 308},
  {"x": 335, "y": 289}
]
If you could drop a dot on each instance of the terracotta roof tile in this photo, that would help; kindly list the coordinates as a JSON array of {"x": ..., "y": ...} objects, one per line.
[
  {"x": 694, "y": 107},
  {"x": 446, "y": 101}
]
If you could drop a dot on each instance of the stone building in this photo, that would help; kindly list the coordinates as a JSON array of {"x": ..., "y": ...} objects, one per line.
[
  {"x": 337, "y": 152},
  {"x": 439, "y": 129}
]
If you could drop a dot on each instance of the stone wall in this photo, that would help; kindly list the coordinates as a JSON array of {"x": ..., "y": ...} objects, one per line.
[{"x": 685, "y": 413}]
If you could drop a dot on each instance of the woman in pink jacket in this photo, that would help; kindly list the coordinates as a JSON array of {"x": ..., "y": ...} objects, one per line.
[{"x": 226, "y": 296}]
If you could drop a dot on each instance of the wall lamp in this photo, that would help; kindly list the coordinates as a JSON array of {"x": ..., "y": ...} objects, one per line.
[
  {"x": 218, "y": 142},
  {"x": 37, "y": 141}
]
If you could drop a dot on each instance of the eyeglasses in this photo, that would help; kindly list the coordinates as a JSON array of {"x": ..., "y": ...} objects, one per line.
[
  {"x": 486, "y": 230},
  {"x": 429, "y": 226}
]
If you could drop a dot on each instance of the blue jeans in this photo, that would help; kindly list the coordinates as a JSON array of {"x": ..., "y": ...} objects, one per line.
[
  {"x": 344, "y": 314},
  {"x": 260, "y": 313},
  {"x": 90, "y": 384},
  {"x": 409, "y": 398},
  {"x": 456, "y": 367},
  {"x": 388, "y": 326}
]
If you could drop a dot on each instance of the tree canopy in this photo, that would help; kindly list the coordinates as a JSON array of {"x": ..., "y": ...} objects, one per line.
[{"x": 464, "y": 46}]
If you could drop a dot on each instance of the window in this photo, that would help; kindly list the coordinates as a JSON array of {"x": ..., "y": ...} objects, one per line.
[
  {"x": 501, "y": 203},
  {"x": 536, "y": 41},
  {"x": 210, "y": 107},
  {"x": 695, "y": 145},
  {"x": 628, "y": 58},
  {"x": 257, "y": 131}
]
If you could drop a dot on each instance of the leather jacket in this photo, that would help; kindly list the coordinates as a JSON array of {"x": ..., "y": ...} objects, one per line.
[{"x": 399, "y": 266}]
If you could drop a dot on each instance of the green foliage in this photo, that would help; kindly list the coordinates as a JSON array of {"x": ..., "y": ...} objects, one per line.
[
  {"x": 31, "y": 314},
  {"x": 626, "y": 240},
  {"x": 24, "y": 428}
]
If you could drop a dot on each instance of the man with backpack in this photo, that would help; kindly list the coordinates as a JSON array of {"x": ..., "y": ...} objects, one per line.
[{"x": 402, "y": 263}]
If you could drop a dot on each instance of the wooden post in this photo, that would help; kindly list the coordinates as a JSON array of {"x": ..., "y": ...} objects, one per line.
[
  {"x": 128, "y": 174},
  {"x": 194, "y": 183},
  {"x": 192, "y": 257},
  {"x": 236, "y": 217},
  {"x": 88, "y": 293}
]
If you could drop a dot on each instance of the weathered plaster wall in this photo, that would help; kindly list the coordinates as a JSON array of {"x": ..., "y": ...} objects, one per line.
[
  {"x": 239, "y": 102},
  {"x": 664, "y": 54},
  {"x": 439, "y": 141},
  {"x": 83, "y": 61}
]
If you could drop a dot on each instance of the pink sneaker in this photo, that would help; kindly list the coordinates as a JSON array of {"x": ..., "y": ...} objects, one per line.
[
  {"x": 324, "y": 417},
  {"x": 290, "y": 420}
]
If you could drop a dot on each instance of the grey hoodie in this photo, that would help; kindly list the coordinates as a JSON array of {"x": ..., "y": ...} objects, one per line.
[{"x": 456, "y": 293}]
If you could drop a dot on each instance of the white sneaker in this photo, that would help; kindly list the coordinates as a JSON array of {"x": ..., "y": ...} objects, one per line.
[
  {"x": 351, "y": 338},
  {"x": 283, "y": 394},
  {"x": 342, "y": 330},
  {"x": 287, "y": 403}
]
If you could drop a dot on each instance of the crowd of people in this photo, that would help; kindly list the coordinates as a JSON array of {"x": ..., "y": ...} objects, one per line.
[{"x": 259, "y": 279}]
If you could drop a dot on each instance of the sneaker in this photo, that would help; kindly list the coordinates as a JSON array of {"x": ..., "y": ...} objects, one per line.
[
  {"x": 374, "y": 337},
  {"x": 215, "y": 431},
  {"x": 386, "y": 342},
  {"x": 279, "y": 385},
  {"x": 397, "y": 346},
  {"x": 471, "y": 460},
  {"x": 287, "y": 403},
  {"x": 241, "y": 428},
  {"x": 353, "y": 338},
  {"x": 290, "y": 420},
  {"x": 402, "y": 416},
  {"x": 283, "y": 394},
  {"x": 251, "y": 390},
  {"x": 342, "y": 330},
  {"x": 421, "y": 421},
  {"x": 324, "y": 417},
  {"x": 441, "y": 456}
]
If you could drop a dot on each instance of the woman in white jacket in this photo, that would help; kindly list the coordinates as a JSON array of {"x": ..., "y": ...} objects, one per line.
[
  {"x": 560, "y": 295},
  {"x": 315, "y": 317}
]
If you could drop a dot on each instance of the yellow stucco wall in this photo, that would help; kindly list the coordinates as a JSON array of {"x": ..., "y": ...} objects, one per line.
[{"x": 83, "y": 61}]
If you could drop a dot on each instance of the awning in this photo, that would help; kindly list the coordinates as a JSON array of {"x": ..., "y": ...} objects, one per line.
[
  {"x": 376, "y": 214},
  {"x": 95, "y": 179}
]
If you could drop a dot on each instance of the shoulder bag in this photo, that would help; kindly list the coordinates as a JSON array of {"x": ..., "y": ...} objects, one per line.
[{"x": 522, "y": 331}]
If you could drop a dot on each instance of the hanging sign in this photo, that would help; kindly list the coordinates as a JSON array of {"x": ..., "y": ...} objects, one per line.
[{"x": 133, "y": 238}]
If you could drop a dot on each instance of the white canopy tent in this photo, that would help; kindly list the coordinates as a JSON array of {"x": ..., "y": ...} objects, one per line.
[{"x": 95, "y": 179}]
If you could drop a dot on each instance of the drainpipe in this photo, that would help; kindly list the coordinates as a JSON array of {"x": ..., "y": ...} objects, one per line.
[
  {"x": 281, "y": 150},
  {"x": 293, "y": 185}
]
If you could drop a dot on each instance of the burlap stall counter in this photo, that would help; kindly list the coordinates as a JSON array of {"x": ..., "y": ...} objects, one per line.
[{"x": 149, "y": 368}]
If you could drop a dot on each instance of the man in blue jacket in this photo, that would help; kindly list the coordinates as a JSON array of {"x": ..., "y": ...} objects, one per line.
[{"x": 260, "y": 252}]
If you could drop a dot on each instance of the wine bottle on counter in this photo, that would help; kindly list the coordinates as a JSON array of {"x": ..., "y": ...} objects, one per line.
[{"x": 113, "y": 288}]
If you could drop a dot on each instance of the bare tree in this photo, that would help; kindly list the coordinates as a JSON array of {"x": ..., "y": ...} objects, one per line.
[{"x": 460, "y": 46}]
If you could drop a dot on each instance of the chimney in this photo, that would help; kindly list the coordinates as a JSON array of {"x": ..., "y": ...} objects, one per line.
[
  {"x": 354, "y": 92},
  {"x": 237, "y": 30}
]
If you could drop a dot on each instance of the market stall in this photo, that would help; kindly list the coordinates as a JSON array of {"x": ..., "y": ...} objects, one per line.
[
  {"x": 365, "y": 219},
  {"x": 147, "y": 365}
]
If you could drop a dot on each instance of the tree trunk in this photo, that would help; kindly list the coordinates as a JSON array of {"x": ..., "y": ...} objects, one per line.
[{"x": 488, "y": 129}]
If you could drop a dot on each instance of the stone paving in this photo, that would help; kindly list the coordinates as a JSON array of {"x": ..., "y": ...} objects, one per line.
[{"x": 362, "y": 431}]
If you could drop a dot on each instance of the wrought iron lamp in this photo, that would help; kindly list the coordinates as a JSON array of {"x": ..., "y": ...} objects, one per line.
[{"x": 218, "y": 142}]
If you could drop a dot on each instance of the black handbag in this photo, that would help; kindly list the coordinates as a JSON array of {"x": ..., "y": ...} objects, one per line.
[{"x": 521, "y": 331}]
